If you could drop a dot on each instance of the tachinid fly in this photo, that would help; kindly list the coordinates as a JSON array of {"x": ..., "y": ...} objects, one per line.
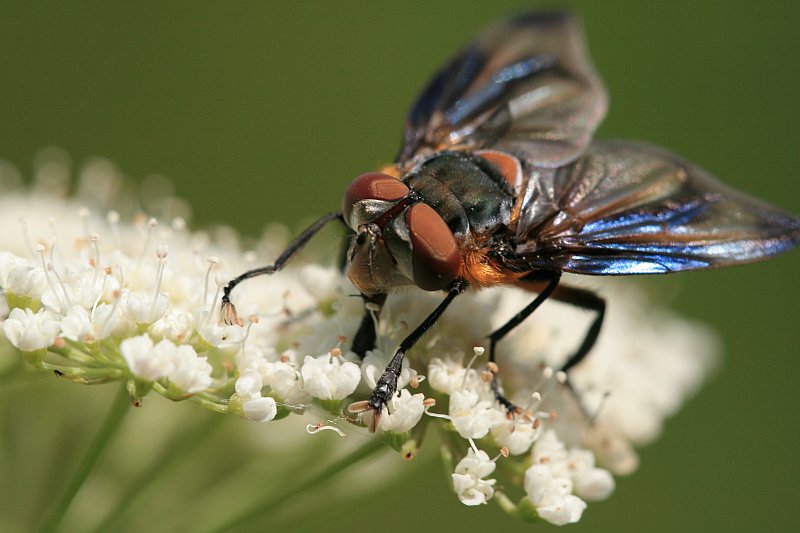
[{"x": 498, "y": 181}]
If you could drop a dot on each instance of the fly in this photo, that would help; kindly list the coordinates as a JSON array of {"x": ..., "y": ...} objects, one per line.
[{"x": 498, "y": 182}]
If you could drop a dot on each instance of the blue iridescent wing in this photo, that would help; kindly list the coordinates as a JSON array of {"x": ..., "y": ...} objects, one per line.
[
  {"x": 525, "y": 86},
  {"x": 628, "y": 208}
]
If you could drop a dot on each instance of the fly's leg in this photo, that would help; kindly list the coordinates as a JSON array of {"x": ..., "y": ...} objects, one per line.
[
  {"x": 345, "y": 248},
  {"x": 588, "y": 300},
  {"x": 584, "y": 299},
  {"x": 552, "y": 279},
  {"x": 229, "y": 315},
  {"x": 387, "y": 384},
  {"x": 364, "y": 339}
]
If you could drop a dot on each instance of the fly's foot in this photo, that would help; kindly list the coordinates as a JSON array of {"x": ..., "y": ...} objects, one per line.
[
  {"x": 229, "y": 316},
  {"x": 378, "y": 400},
  {"x": 511, "y": 408}
]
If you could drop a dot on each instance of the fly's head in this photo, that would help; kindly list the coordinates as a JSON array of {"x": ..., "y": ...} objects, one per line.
[
  {"x": 399, "y": 239},
  {"x": 370, "y": 265}
]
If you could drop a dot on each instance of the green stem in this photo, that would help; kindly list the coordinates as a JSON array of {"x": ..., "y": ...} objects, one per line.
[
  {"x": 115, "y": 415},
  {"x": 208, "y": 404},
  {"x": 173, "y": 453},
  {"x": 72, "y": 354},
  {"x": 83, "y": 372},
  {"x": 264, "y": 507},
  {"x": 199, "y": 398}
]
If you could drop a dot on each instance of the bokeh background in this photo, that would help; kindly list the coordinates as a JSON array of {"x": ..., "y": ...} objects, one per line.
[{"x": 263, "y": 112}]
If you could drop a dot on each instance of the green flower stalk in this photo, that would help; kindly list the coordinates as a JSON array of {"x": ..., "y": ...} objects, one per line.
[{"x": 96, "y": 293}]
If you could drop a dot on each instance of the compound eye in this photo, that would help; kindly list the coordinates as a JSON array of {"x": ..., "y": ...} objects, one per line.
[
  {"x": 435, "y": 255},
  {"x": 372, "y": 186}
]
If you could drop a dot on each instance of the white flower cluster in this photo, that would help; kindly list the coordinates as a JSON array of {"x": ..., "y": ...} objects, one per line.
[
  {"x": 556, "y": 480},
  {"x": 95, "y": 296},
  {"x": 560, "y": 480},
  {"x": 468, "y": 476}
]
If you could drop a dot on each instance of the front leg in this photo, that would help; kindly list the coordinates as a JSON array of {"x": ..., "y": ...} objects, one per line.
[
  {"x": 228, "y": 312},
  {"x": 365, "y": 337},
  {"x": 387, "y": 384}
]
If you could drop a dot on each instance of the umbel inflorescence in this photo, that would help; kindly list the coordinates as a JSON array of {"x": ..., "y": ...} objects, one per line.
[{"x": 96, "y": 293}]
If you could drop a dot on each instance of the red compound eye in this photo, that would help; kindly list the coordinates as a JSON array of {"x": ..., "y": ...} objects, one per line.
[
  {"x": 435, "y": 253},
  {"x": 372, "y": 186}
]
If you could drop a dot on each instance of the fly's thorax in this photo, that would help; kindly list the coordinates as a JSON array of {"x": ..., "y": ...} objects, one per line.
[{"x": 471, "y": 193}]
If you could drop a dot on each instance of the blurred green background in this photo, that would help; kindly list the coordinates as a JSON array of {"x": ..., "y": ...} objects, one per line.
[{"x": 263, "y": 112}]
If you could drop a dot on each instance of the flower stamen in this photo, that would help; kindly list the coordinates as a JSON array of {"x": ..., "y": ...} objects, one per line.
[
  {"x": 161, "y": 253},
  {"x": 212, "y": 262},
  {"x": 319, "y": 426},
  {"x": 94, "y": 238},
  {"x": 41, "y": 249},
  {"x": 152, "y": 224}
]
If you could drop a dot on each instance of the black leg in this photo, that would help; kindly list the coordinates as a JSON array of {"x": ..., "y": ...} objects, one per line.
[
  {"x": 587, "y": 300},
  {"x": 364, "y": 339},
  {"x": 229, "y": 315},
  {"x": 578, "y": 297},
  {"x": 387, "y": 384},
  {"x": 582, "y": 298},
  {"x": 552, "y": 279},
  {"x": 346, "y": 242}
]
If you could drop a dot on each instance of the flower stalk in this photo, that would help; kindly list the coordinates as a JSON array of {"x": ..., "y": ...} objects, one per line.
[
  {"x": 263, "y": 508},
  {"x": 116, "y": 413}
]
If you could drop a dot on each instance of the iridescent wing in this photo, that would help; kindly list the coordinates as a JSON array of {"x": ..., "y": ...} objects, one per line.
[
  {"x": 525, "y": 86},
  {"x": 627, "y": 208}
]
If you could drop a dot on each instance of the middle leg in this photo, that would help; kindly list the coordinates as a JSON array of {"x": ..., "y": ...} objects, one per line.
[
  {"x": 582, "y": 298},
  {"x": 551, "y": 279}
]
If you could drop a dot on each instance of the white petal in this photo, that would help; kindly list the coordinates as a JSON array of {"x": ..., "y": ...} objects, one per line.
[
  {"x": 144, "y": 360},
  {"x": 472, "y": 417},
  {"x": 28, "y": 331},
  {"x": 260, "y": 409},
  {"x": 472, "y": 491},
  {"x": 328, "y": 378},
  {"x": 249, "y": 384},
  {"x": 77, "y": 326},
  {"x": 549, "y": 450},
  {"x": 26, "y": 280},
  {"x": 404, "y": 413},
  {"x": 543, "y": 488},
  {"x": 284, "y": 379},
  {"x": 104, "y": 319},
  {"x": 566, "y": 511},
  {"x": 445, "y": 375},
  {"x": 475, "y": 464},
  {"x": 190, "y": 372},
  {"x": 594, "y": 484},
  {"x": 516, "y": 435}
]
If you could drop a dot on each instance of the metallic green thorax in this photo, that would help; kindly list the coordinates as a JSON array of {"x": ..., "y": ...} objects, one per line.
[{"x": 467, "y": 191}]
